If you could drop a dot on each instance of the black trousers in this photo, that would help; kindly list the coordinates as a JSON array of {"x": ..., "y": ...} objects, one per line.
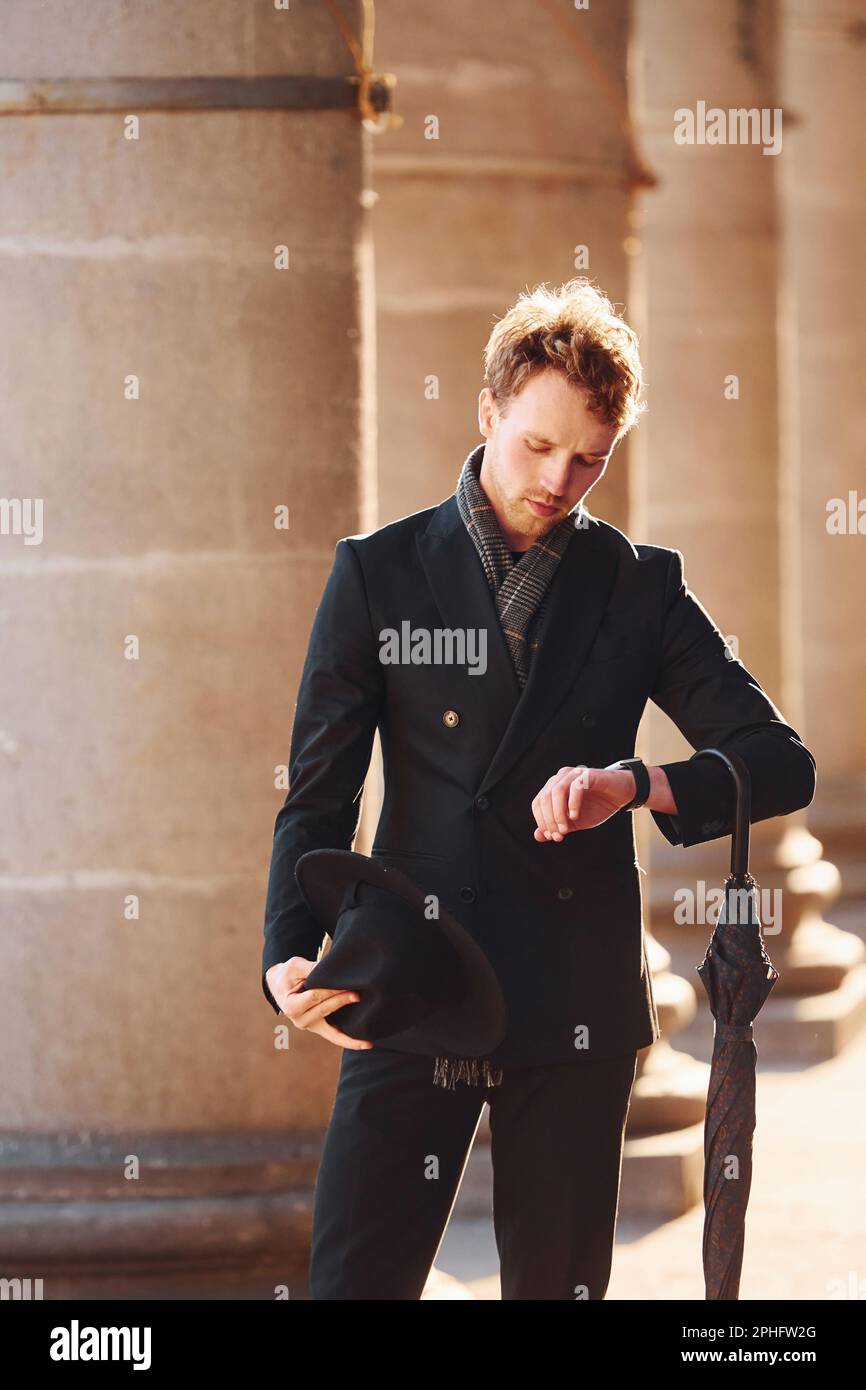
[{"x": 396, "y": 1149}]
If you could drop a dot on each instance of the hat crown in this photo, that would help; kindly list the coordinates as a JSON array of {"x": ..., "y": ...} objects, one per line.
[
  {"x": 425, "y": 984},
  {"x": 370, "y": 943}
]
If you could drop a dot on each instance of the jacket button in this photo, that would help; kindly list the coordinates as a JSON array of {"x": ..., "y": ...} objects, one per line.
[
  {"x": 563, "y": 893},
  {"x": 588, "y": 721},
  {"x": 451, "y": 718},
  {"x": 468, "y": 895},
  {"x": 482, "y": 803}
]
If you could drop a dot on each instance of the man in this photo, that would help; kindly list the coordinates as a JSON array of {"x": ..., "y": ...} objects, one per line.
[{"x": 504, "y": 799}]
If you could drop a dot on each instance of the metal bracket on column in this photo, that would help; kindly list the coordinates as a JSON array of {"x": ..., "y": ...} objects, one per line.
[{"x": 285, "y": 92}]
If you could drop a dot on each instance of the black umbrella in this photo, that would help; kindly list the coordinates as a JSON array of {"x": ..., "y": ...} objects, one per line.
[{"x": 737, "y": 975}]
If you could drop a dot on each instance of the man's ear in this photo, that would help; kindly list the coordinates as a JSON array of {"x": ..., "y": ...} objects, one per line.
[{"x": 486, "y": 411}]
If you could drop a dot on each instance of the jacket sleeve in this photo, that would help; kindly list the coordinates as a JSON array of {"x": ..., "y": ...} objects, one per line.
[
  {"x": 337, "y": 711},
  {"x": 716, "y": 703}
]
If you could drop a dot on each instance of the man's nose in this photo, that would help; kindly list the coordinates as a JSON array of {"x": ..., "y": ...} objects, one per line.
[{"x": 554, "y": 480}]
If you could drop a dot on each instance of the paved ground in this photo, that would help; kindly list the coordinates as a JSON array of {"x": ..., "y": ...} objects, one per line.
[{"x": 806, "y": 1227}]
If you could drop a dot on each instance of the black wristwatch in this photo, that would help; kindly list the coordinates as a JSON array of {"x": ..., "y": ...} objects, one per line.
[{"x": 641, "y": 781}]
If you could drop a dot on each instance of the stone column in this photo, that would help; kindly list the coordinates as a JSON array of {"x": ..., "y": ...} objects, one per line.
[
  {"x": 190, "y": 405},
  {"x": 511, "y": 168},
  {"x": 721, "y": 485},
  {"x": 824, "y": 224}
]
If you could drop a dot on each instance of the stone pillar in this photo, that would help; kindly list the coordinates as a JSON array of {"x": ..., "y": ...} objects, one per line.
[
  {"x": 721, "y": 486},
  {"x": 824, "y": 225},
  {"x": 510, "y": 169},
  {"x": 167, "y": 390},
  {"x": 510, "y": 160}
]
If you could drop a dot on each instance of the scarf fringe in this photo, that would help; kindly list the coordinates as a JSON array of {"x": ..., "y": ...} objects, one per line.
[{"x": 475, "y": 1071}]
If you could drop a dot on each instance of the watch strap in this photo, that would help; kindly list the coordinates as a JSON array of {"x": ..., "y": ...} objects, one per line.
[{"x": 638, "y": 767}]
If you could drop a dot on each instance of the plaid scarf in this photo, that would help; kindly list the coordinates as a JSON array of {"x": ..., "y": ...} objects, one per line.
[{"x": 520, "y": 591}]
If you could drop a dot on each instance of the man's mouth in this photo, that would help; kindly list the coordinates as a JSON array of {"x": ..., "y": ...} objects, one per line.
[{"x": 540, "y": 508}]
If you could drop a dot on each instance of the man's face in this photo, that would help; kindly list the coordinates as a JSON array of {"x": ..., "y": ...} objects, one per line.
[{"x": 542, "y": 457}]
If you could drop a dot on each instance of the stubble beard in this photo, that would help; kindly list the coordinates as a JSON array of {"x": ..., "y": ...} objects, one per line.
[
  {"x": 520, "y": 518},
  {"x": 523, "y": 521}
]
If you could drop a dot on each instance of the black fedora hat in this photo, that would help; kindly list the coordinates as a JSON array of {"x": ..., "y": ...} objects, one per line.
[{"x": 425, "y": 984}]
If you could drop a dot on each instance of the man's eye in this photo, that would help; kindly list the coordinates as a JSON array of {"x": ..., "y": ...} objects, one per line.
[{"x": 584, "y": 462}]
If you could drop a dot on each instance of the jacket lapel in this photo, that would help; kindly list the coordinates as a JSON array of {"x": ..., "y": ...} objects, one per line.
[
  {"x": 456, "y": 576},
  {"x": 578, "y": 596}
]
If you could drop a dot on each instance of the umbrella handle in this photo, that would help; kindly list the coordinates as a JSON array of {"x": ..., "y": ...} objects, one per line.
[{"x": 743, "y": 782}]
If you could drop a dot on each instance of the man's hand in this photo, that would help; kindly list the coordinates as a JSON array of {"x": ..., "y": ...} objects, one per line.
[
  {"x": 308, "y": 1008},
  {"x": 577, "y": 798}
]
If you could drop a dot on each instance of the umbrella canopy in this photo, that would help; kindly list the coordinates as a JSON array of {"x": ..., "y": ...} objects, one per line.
[{"x": 737, "y": 975}]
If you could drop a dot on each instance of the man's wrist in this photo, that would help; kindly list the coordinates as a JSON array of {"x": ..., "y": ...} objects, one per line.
[
  {"x": 641, "y": 780},
  {"x": 660, "y": 797}
]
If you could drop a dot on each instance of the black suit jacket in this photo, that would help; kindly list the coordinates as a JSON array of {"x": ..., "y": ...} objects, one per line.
[{"x": 465, "y": 754}]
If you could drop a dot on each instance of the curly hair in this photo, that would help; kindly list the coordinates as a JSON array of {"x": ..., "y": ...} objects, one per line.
[{"x": 576, "y": 330}]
